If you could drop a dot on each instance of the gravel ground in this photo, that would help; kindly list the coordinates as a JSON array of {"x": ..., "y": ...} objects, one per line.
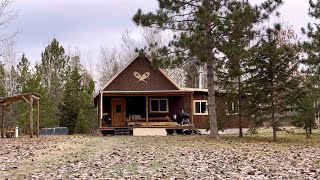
[{"x": 172, "y": 157}]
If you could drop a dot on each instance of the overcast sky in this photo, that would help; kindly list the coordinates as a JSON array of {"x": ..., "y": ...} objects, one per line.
[{"x": 88, "y": 24}]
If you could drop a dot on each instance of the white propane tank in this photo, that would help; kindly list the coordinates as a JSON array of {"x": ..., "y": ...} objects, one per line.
[{"x": 16, "y": 132}]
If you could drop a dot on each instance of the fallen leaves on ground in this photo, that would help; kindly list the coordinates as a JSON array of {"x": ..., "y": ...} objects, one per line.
[{"x": 172, "y": 157}]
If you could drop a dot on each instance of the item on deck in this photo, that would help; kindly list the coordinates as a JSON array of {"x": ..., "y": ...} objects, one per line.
[
  {"x": 183, "y": 118},
  {"x": 106, "y": 118}
]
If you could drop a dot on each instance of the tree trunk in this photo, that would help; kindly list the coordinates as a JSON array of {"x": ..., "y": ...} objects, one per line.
[
  {"x": 274, "y": 126},
  {"x": 310, "y": 130},
  {"x": 2, "y": 122},
  {"x": 240, "y": 106},
  {"x": 211, "y": 99}
]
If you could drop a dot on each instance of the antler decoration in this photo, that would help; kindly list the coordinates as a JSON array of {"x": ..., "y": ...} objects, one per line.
[{"x": 141, "y": 77}]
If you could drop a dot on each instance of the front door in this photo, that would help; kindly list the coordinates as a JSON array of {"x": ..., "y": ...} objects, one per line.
[{"x": 118, "y": 112}]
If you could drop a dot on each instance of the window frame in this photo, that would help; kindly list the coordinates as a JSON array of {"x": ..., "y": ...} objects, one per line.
[
  {"x": 235, "y": 110},
  {"x": 194, "y": 107},
  {"x": 158, "y": 99}
]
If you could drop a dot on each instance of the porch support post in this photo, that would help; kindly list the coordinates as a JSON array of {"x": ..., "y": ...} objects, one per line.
[
  {"x": 147, "y": 110},
  {"x": 192, "y": 109},
  {"x": 101, "y": 109}
]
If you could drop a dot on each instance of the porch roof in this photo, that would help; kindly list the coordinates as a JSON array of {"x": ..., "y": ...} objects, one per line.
[{"x": 143, "y": 93}]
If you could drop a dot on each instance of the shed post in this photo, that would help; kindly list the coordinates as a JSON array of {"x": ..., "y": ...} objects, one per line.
[
  {"x": 147, "y": 110},
  {"x": 31, "y": 118},
  {"x": 38, "y": 117},
  {"x": 2, "y": 121}
]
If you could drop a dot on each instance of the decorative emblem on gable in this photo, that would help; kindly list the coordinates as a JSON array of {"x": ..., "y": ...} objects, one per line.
[{"x": 141, "y": 77}]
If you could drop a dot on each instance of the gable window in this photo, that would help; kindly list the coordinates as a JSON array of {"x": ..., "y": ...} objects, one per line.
[
  {"x": 159, "y": 105},
  {"x": 200, "y": 107},
  {"x": 232, "y": 107}
]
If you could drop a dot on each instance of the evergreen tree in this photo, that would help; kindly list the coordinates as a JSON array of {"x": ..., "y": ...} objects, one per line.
[
  {"x": 47, "y": 105},
  {"x": 76, "y": 110},
  {"x": 236, "y": 50},
  {"x": 53, "y": 72},
  {"x": 24, "y": 73},
  {"x": 82, "y": 125},
  {"x": 200, "y": 28},
  {"x": 87, "y": 107},
  {"x": 306, "y": 108},
  {"x": 53, "y": 68},
  {"x": 70, "y": 106},
  {"x": 312, "y": 61},
  {"x": 274, "y": 84},
  {"x": 30, "y": 81}
]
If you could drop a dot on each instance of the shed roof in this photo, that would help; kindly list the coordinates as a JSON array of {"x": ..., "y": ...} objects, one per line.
[{"x": 11, "y": 99}]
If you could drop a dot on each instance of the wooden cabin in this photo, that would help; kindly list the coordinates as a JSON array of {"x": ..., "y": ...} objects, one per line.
[{"x": 143, "y": 96}]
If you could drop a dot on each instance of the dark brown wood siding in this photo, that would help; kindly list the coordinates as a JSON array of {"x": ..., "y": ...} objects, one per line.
[
  {"x": 106, "y": 105},
  {"x": 224, "y": 121},
  {"x": 126, "y": 81}
]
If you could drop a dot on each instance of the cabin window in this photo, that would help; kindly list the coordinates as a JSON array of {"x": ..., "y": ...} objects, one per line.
[
  {"x": 159, "y": 105},
  {"x": 232, "y": 107},
  {"x": 200, "y": 107}
]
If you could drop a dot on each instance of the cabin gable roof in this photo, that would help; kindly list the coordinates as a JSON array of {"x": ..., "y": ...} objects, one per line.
[{"x": 140, "y": 75}]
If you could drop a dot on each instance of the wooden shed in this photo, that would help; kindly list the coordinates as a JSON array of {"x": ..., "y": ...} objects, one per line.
[{"x": 29, "y": 98}]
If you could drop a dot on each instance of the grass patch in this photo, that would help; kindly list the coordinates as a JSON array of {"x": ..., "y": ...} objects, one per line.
[{"x": 132, "y": 168}]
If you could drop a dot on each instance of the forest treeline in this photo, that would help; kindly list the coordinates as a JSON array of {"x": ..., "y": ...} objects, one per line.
[{"x": 229, "y": 42}]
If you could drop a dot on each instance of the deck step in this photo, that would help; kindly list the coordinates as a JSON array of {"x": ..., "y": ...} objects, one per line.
[{"x": 121, "y": 131}]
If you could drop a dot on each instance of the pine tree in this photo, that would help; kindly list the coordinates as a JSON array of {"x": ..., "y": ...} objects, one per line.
[
  {"x": 76, "y": 110},
  {"x": 306, "y": 107},
  {"x": 312, "y": 60},
  {"x": 47, "y": 106},
  {"x": 53, "y": 72},
  {"x": 24, "y": 73},
  {"x": 30, "y": 81},
  {"x": 236, "y": 50},
  {"x": 87, "y": 106},
  {"x": 53, "y": 67},
  {"x": 200, "y": 28},
  {"x": 82, "y": 125},
  {"x": 274, "y": 85},
  {"x": 70, "y": 106}
]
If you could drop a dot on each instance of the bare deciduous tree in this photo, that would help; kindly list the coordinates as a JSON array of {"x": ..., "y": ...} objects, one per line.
[
  {"x": 108, "y": 65},
  {"x": 128, "y": 47},
  {"x": 7, "y": 15},
  {"x": 149, "y": 39}
]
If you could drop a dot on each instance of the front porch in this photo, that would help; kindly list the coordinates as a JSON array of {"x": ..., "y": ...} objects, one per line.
[
  {"x": 149, "y": 110},
  {"x": 129, "y": 130}
]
